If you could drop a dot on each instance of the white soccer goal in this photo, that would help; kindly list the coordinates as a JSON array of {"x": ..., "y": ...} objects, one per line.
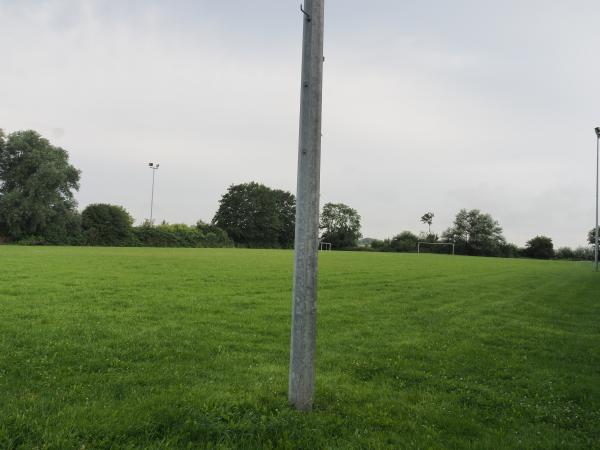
[
  {"x": 434, "y": 243},
  {"x": 325, "y": 246}
]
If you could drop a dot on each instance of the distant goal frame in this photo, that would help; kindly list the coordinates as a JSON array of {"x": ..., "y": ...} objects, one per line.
[
  {"x": 324, "y": 246},
  {"x": 435, "y": 243}
]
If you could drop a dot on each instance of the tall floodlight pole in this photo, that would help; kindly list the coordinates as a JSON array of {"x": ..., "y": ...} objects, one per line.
[
  {"x": 304, "y": 307},
  {"x": 154, "y": 168},
  {"x": 597, "y": 174}
]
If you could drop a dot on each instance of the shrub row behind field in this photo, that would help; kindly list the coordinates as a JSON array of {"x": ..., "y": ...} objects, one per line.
[{"x": 106, "y": 225}]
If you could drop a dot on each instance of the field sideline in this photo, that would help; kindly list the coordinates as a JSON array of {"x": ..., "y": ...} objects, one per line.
[{"x": 177, "y": 348}]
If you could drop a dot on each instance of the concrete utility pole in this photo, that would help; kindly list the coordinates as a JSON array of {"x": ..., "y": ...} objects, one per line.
[{"x": 304, "y": 308}]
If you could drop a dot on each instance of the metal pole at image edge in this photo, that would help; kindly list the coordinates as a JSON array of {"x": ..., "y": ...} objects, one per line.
[
  {"x": 597, "y": 170},
  {"x": 304, "y": 306}
]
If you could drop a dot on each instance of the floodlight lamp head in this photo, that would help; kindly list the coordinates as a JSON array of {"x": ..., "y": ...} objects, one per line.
[
  {"x": 150, "y": 164},
  {"x": 157, "y": 166},
  {"x": 598, "y": 132}
]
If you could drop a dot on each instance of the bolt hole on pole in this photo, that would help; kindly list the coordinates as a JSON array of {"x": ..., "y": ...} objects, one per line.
[{"x": 304, "y": 298}]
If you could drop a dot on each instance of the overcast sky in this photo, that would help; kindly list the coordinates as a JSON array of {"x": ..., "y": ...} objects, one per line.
[{"x": 428, "y": 105}]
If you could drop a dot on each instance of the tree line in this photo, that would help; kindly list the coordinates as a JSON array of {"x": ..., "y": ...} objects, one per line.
[
  {"x": 37, "y": 206},
  {"x": 478, "y": 234},
  {"x": 255, "y": 215}
]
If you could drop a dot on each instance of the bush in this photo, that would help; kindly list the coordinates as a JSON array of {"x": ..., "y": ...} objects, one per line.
[
  {"x": 404, "y": 242},
  {"x": 106, "y": 225},
  {"x": 378, "y": 244},
  {"x": 583, "y": 254},
  {"x": 32, "y": 240},
  {"x": 149, "y": 236},
  {"x": 181, "y": 235},
  {"x": 539, "y": 247},
  {"x": 507, "y": 250},
  {"x": 213, "y": 236},
  {"x": 565, "y": 253},
  {"x": 65, "y": 230}
]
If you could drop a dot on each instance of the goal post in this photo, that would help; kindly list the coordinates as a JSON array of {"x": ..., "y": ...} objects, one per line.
[
  {"x": 434, "y": 243},
  {"x": 325, "y": 246}
]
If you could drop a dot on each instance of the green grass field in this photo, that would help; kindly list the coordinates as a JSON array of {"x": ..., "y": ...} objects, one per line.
[{"x": 188, "y": 348}]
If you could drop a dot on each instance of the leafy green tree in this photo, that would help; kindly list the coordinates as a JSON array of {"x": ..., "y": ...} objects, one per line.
[
  {"x": 36, "y": 189},
  {"x": 255, "y": 215},
  {"x": 539, "y": 247},
  {"x": 427, "y": 218},
  {"x": 592, "y": 236},
  {"x": 106, "y": 225},
  {"x": 428, "y": 237},
  {"x": 285, "y": 203},
  {"x": 341, "y": 225},
  {"x": 475, "y": 233}
]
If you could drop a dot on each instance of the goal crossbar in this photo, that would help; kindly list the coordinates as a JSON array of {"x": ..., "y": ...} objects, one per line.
[{"x": 434, "y": 243}]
